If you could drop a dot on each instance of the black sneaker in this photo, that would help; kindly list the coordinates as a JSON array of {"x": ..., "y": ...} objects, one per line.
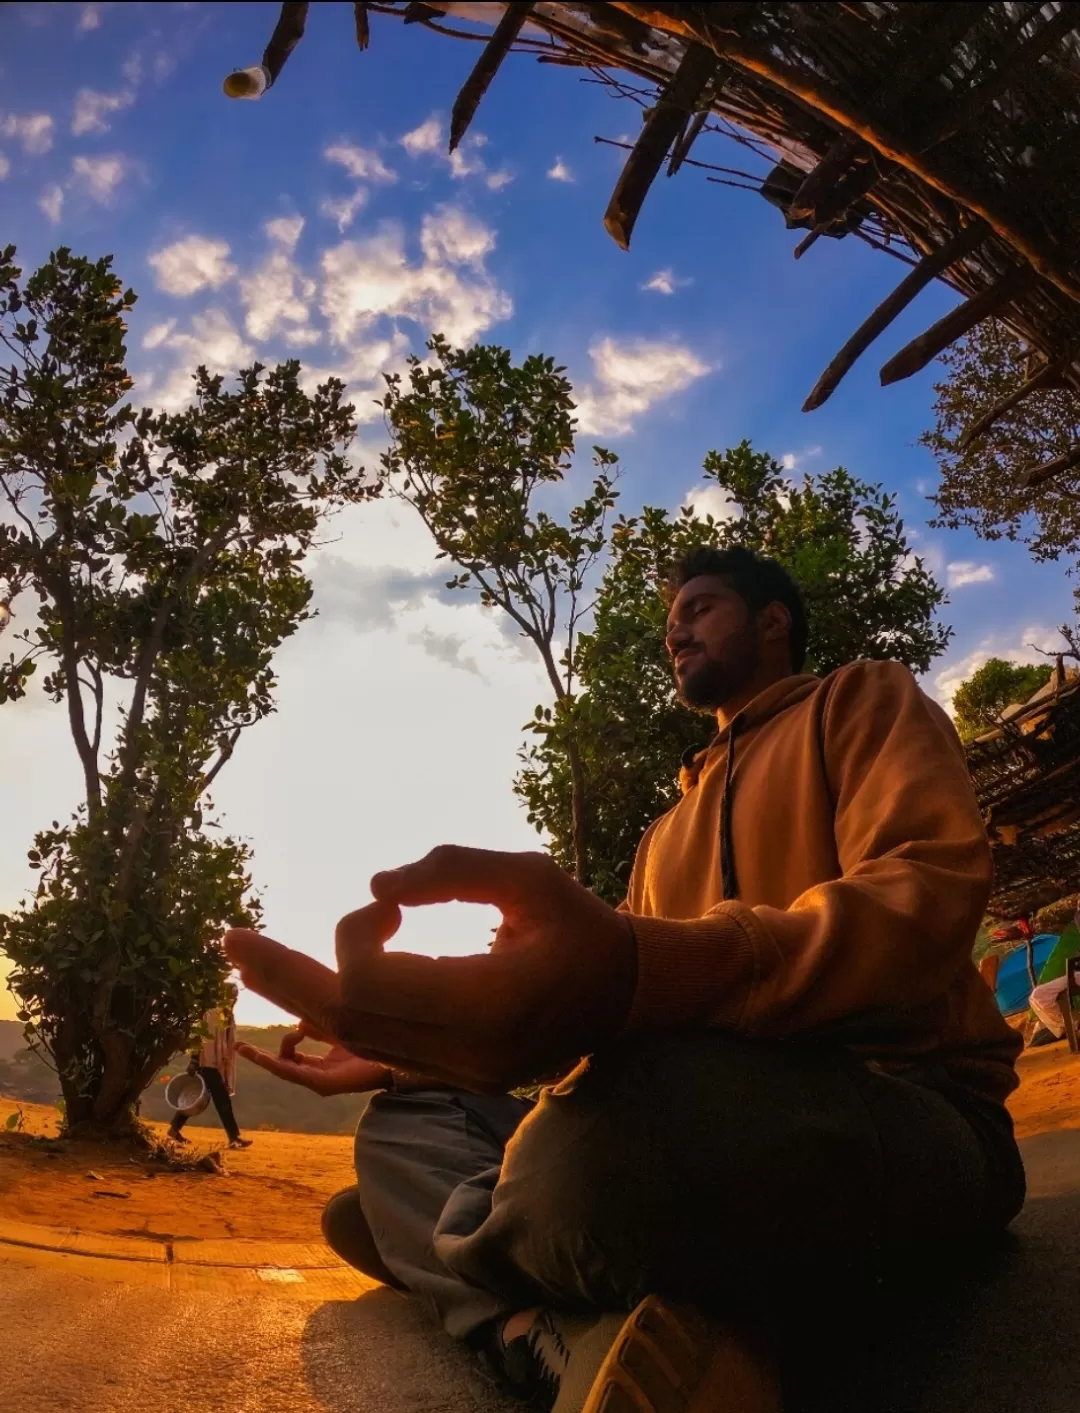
[
  {"x": 1043, "y": 1036},
  {"x": 531, "y": 1366},
  {"x": 661, "y": 1358}
]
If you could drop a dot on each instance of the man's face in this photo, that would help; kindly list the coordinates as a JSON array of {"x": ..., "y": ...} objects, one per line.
[{"x": 712, "y": 640}]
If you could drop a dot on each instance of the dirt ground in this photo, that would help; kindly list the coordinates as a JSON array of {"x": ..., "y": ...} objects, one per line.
[
  {"x": 272, "y": 1191},
  {"x": 275, "y": 1190}
]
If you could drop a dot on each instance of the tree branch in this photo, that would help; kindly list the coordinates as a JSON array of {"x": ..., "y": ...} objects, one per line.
[
  {"x": 152, "y": 650},
  {"x": 226, "y": 752}
]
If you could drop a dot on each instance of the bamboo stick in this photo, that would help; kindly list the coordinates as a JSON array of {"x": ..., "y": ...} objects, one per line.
[
  {"x": 682, "y": 147},
  {"x": 363, "y": 30},
  {"x": 1045, "y": 375},
  {"x": 696, "y": 69},
  {"x": 928, "y": 268},
  {"x": 954, "y": 325},
  {"x": 288, "y": 32},
  {"x": 805, "y": 244},
  {"x": 495, "y": 51},
  {"x": 1036, "y": 475}
]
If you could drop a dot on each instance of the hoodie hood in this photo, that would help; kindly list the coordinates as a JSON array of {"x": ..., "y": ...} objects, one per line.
[{"x": 767, "y": 704}]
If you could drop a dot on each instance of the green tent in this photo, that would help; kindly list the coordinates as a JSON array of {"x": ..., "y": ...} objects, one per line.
[{"x": 1068, "y": 946}]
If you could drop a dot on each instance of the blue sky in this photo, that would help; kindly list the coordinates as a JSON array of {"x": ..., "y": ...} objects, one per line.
[{"x": 326, "y": 222}]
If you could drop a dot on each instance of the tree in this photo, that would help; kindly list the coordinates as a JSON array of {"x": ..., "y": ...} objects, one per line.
[
  {"x": 164, "y": 552},
  {"x": 475, "y": 442},
  {"x": 979, "y": 702},
  {"x": 980, "y": 485},
  {"x": 843, "y": 541}
]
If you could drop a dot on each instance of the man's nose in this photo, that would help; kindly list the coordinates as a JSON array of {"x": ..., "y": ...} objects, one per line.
[{"x": 676, "y": 639}]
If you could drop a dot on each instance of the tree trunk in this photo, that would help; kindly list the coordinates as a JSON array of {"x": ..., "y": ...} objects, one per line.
[{"x": 578, "y": 827}]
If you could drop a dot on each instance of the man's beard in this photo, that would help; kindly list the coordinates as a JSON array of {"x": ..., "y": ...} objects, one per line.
[{"x": 712, "y": 683}]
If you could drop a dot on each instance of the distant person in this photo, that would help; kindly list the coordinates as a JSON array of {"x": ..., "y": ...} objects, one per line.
[
  {"x": 793, "y": 1071},
  {"x": 1046, "y": 1001},
  {"x": 215, "y": 1061}
]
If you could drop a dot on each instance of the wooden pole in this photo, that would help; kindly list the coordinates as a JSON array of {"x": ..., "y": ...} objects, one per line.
[
  {"x": 681, "y": 150},
  {"x": 805, "y": 244},
  {"x": 1045, "y": 375},
  {"x": 928, "y": 268},
  {"x": 1036, "y": 475},
  {"x": 476, "y": 85},
  {"x": 288, "y": 32},
  {"x": 363, "y": 31},
  {"x": 954, "y": 325},
  {"x": 663, "y": 125}
]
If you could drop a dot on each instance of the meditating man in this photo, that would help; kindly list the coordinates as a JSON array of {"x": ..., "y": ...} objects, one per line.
[{"x": 789, "y": 1065}]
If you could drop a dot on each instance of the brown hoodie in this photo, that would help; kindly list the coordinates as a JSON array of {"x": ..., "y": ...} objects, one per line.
[{"x": 844, "y": 899}]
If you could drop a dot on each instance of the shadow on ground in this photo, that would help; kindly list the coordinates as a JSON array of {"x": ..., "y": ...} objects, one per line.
[
  {"x": 997, "y": 1331},
  {"x": 383, "y": 1354}
]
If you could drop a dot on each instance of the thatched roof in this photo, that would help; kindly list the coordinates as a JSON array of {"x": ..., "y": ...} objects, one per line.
[
  {"x": 947, "y": 134},
  {"x": 1027, "y": 778}
]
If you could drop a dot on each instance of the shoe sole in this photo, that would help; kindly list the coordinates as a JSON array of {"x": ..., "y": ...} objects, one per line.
[{"x": 671, "y": 1358}]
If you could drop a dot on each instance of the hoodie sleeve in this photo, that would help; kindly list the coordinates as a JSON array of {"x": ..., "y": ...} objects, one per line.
[{"x": 891, "y": 931}]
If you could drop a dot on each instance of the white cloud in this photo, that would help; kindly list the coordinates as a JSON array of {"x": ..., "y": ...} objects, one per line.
[
  {"x": 211, "y": 339},
  {"x": 465, "y": 161},
  {"x": 361, "y": 371},
  {"x": 51, "y": 202},
  {"x": 285, "y": 230},
  {"x": 965, "y": 571},
  {"x": 450, "y": 234},
  {"x": 276, "y": 295},
  {"x": 158, "y": 333},
  {"x": 666, "y": 281},
  {"x": 33, "y": 130},
  {"x": 630, "y": 378},
  {"x": 560, "y": 172},
  {"x": 5, "y": 166},
  {"x": 360, "y": 162},
  {"x": 714, "y": 501},
  {"x": 364, "y": 280},
  {"x": 792, "y": 460},
  {"x": 90, "y": 17},
  {"x": 426, "y": 138},
  {"x": 343, "y": 209},
  {"x": 91, "y": 108},
  {"x": 191, "y": 264},
  {"x": 1020, "y": 650},
  {"x": 100, "y": 176}
]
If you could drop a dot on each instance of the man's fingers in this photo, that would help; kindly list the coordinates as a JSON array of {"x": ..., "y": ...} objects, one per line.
[
  {"x": 451, "y": 873},
  {"x": 284, "y": 1069},
  {"x": 292, "y": 980}
]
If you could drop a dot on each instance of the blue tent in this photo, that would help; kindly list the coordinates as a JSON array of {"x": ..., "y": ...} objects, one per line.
[{"x": 1013, "y": 981}]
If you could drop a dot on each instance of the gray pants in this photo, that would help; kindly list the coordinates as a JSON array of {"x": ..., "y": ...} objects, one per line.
[{"x": 698, "y": 1165}]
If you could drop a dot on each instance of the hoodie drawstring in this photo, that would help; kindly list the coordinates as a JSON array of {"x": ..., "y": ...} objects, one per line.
[{"x": 729, "y": 887}]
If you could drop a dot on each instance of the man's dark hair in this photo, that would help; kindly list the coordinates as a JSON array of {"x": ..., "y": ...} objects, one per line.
[{"x": 757, "y": 580}]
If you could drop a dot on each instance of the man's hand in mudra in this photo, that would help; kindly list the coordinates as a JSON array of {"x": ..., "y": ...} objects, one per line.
[
  {"x": 557, "y": 982},
  {"x": 338, "y": 1071}
]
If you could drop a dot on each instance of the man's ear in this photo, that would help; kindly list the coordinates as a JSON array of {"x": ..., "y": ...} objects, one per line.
[{"x": 775, "y": 624}]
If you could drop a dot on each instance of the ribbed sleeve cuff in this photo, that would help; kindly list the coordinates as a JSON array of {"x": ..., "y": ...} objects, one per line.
[{"x": 690, "y": 972}]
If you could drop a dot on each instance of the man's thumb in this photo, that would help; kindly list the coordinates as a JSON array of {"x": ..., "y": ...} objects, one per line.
[{"x": 366, "y": 930}]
